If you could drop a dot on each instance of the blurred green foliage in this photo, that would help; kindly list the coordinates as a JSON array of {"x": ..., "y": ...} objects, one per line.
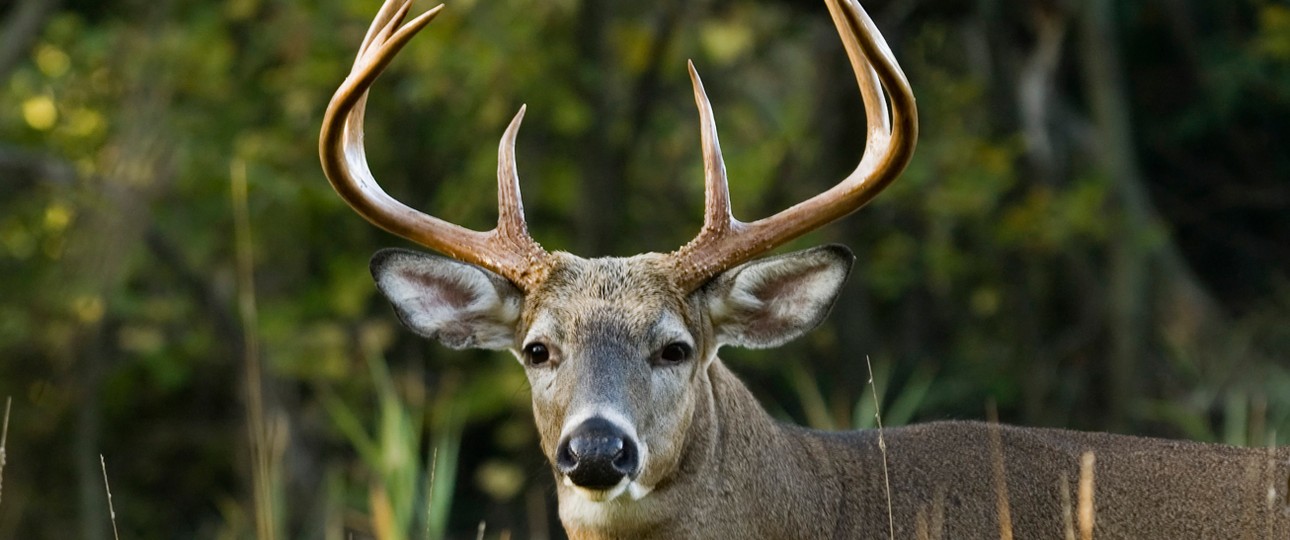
[{"x": 985, "y": 275}]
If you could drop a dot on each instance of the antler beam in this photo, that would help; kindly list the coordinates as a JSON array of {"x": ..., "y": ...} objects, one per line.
[
  {"x": 508, "y": 249},
  {"x": 725, "y": 241}
]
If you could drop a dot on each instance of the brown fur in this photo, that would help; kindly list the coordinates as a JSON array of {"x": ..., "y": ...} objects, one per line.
[
  {"x": 733, "y": 472},
  {"x": 716, "y": 465},
  {"x": 712, "y": 463},
  {"x": 745, "y": 476}
]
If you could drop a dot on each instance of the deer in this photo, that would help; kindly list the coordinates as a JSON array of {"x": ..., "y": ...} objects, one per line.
[{"x": 650, "y": 435}]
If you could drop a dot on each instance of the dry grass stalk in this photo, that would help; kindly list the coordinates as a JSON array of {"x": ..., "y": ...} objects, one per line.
[
  {"x": 4, "y": 437},
  {"x": 882, "y": 448},
  {"x": 262, "y": 445},
  {"x": 929, "y": 523},
  {"x": 1068, "y": 515},
  {"x": 1086, "y": 463},
  {"x": 1271, "y": 468},
  {"x": 480, "y": 534},
  {"x": 434, "y": 464},
  {"x": 922, "y": 529},
  {"x": 938, "y": 513},
  {"x": 107, "y": 487}
]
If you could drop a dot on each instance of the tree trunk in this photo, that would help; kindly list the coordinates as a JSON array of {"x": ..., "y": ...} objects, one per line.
[{"x": 1144, "y": 262}]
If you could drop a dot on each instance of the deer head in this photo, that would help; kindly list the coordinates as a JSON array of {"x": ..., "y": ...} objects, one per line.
[{"x": 617, "y": 350}]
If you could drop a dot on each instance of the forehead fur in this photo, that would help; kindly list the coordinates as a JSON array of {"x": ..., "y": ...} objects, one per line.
[{"x": 637, "y": 288}]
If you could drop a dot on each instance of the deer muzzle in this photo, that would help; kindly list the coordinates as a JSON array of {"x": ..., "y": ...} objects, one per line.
[{"x": 597, "y": 455}]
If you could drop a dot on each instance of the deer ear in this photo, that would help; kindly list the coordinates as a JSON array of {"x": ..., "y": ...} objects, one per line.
[
  {"x": 768, "y": 302},
  {"x": 460, "y": 305}
]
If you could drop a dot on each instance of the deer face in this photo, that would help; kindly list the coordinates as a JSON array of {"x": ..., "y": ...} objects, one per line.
[
  {"x": 612, "y": 351},
  {"x": 616, "y": 350},
  {"x": 615, "y": 353}
]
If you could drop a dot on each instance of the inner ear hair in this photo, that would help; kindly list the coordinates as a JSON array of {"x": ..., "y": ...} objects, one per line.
[
  {"x": 767, "y": 302},
  {"x": 459, "y": 304}
]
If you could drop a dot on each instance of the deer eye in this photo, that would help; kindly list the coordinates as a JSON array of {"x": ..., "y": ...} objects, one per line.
[
  {"x": 675, "y": 353},
  {"x": 537, "y": 354}
]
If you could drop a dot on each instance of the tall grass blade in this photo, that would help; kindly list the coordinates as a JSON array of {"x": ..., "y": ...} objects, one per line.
[
  {"x": 4, "y": 437},
  {"x": 263, "y": 464},
  {"x": 882, "y": 448},
  {"x": 107, "y": 487}
]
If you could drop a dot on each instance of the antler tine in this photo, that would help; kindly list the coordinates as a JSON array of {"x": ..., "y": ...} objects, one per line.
[
  {"x": 889, "y": 146},
  {"x": 386, "y": 21},
  {"x": 717, "y": 218},
  {"x": 875, "y": 103},
  {"x": 507, "y": 250},
  {"x": 512, "y": 230}
]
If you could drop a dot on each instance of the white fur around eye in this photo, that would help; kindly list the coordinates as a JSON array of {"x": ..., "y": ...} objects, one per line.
[{"x": 673, "y": 330}]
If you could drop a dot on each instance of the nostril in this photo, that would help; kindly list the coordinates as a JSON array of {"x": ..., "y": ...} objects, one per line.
[
  {"x": 565, "y": 460},
  {"x": 626, "y": 460}
]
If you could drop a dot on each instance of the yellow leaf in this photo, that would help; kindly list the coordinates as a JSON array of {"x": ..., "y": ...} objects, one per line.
[
  {"x": 40, "y": 112},
  {"x": 57, "y": 216},
  {"x": 726, "y": 41},
  {"x": 382, "y": 514},
  {"x": 52, "y": 61}
]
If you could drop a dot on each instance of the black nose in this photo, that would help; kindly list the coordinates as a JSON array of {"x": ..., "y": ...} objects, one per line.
[{"x": 597, "y": 455}]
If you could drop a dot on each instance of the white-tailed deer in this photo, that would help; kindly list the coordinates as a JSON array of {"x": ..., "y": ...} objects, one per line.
[{"x": 650, "y": 436}]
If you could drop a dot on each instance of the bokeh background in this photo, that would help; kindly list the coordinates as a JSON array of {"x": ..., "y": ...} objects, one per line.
[{"x": 1094, "y": 234}]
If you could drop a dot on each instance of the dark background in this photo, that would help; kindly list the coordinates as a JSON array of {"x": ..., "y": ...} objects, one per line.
[{"x": 1093, "y": 234}]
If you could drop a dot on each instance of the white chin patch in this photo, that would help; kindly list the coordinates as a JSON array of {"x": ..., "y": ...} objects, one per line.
[{"x": 632, "y": 488}]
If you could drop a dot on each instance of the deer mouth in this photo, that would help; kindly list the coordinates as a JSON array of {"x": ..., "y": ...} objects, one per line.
[{"x": 628, "y": 486}]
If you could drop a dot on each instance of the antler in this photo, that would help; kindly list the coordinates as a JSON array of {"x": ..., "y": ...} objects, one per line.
[
  {"x": 507, "y": 250},
  {"x": 725, "y": 241}
]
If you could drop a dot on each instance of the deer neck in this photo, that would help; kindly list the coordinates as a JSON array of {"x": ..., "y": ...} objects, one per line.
[{"x": 743, "y": 475}]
